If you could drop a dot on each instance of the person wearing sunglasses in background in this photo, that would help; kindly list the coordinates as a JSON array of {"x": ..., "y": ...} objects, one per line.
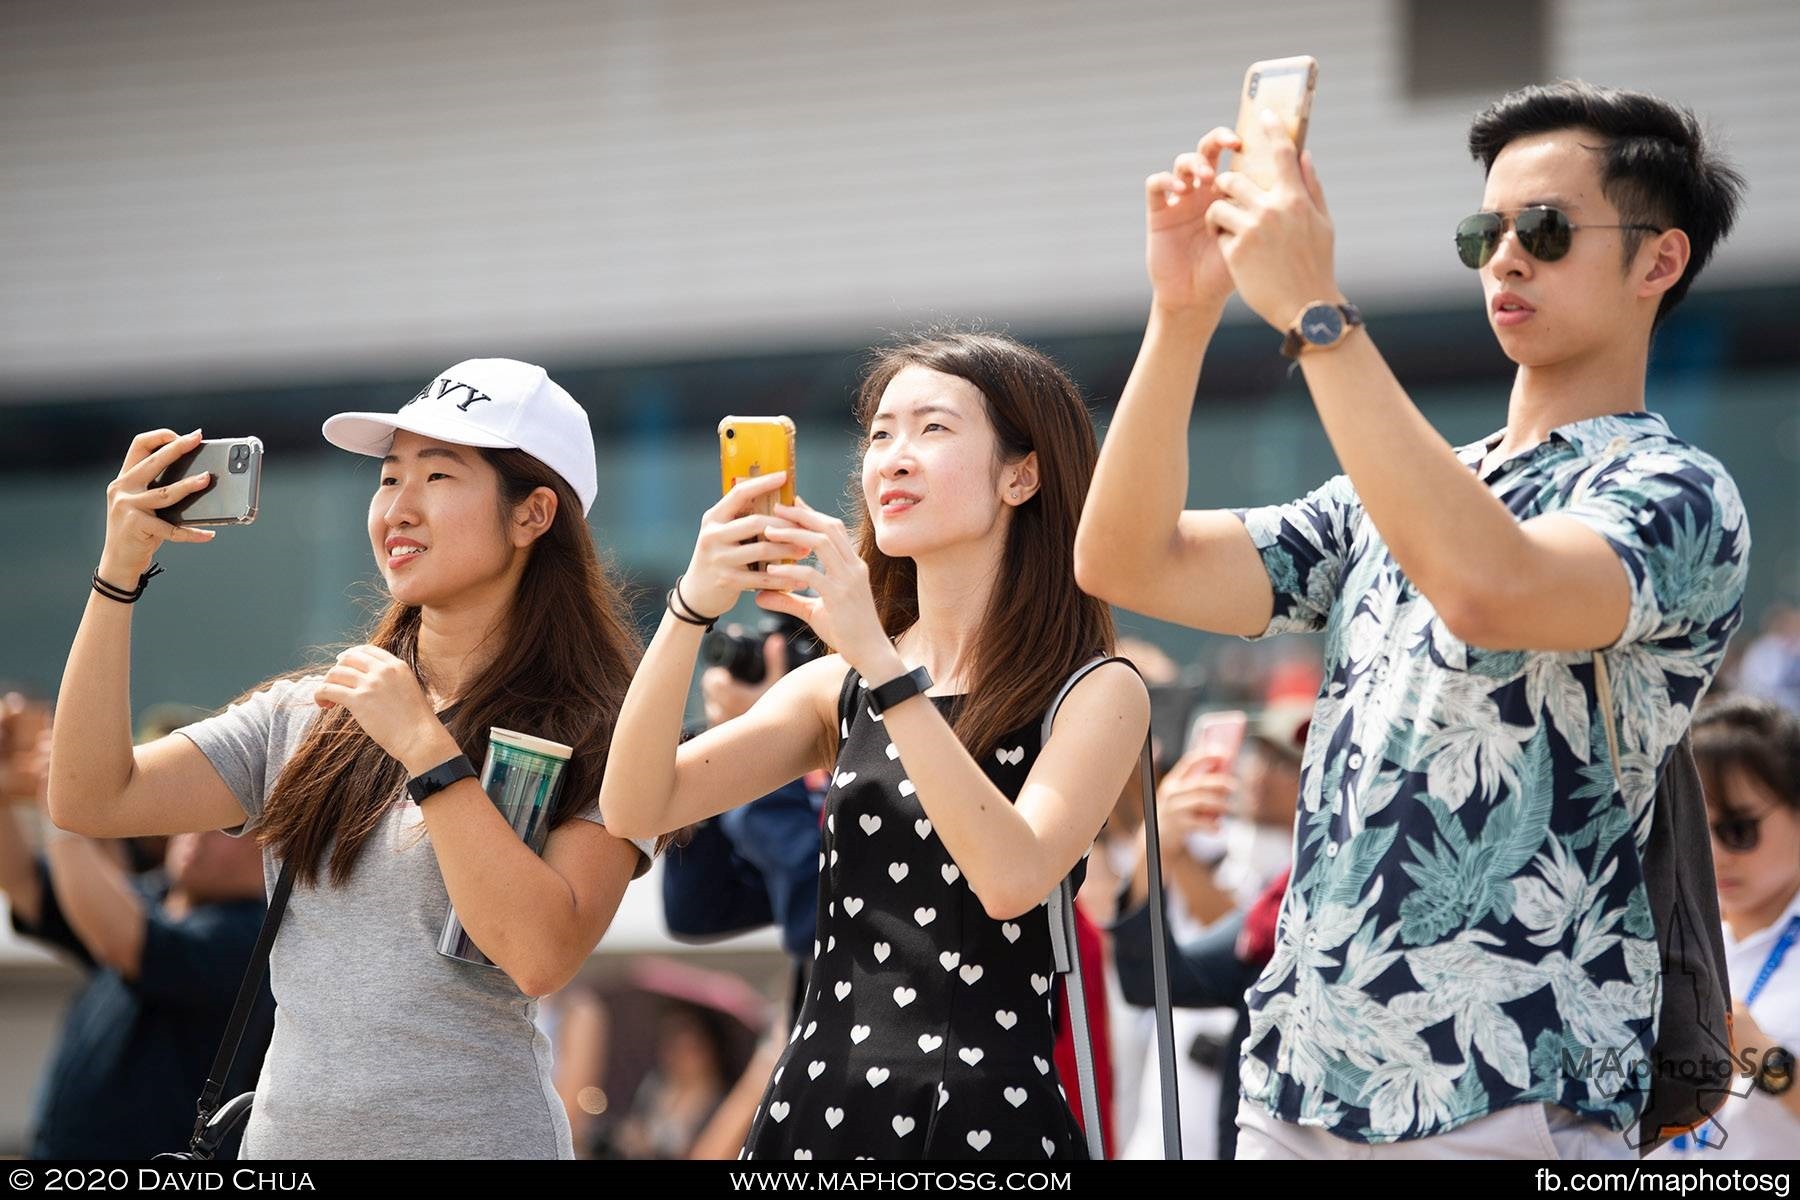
[
  {"x": 1468, "y": 898},
  {"x": 1748, "y": 752}
]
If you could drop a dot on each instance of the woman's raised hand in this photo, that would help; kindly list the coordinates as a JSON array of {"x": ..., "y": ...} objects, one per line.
[
  {"x": 730, "y": 548},
  {"x": 1182, "y": 251},
  {"x": 842, "y": 613},
  {"x": 133, "y": 530}
]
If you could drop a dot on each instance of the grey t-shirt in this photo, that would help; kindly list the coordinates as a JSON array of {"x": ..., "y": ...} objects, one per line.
[{"x": 383, "y": 1048}]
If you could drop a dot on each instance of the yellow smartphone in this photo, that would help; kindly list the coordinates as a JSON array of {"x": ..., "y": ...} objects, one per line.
[
  {"x": 752, "y": 446},
  {"x": 1285, "y": 86}
]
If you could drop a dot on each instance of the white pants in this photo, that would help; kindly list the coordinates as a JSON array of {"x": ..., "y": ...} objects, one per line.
[
  {"x": 1198, "y": 1086},
  {"x": 1529, "y": 1131}
]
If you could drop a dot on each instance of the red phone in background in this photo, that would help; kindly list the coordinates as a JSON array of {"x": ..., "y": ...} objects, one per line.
[{"x": 1219, "y": 736}]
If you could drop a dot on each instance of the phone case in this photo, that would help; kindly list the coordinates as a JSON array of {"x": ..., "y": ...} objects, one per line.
[
  {"x": 752, "y": 446},
  {"x": 233, "y": 495},
  {"x": 1221, "y": 734},
  {"x": 1286, "y": 86}
]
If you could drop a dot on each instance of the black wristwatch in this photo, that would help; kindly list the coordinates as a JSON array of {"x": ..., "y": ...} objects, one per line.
[
  {"x": 423, "y": 787},
  {"x": 1320, "y": 326},
  {"x": 914, "y": 683},
  {"x": 1776, "y": 1074}
]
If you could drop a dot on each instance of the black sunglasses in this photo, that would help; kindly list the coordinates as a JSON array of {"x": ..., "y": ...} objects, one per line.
[
  {"x": 1545, "y": 233},
  {"x": 1739, "y": 834}
]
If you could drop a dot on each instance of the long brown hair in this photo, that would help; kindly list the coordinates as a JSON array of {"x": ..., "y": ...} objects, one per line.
[
  {"x": 565, "y": 658},
  {"x": 1039, "y": 625}
]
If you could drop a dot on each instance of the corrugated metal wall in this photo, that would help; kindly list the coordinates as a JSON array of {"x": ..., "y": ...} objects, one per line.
[{"x": 208, "y": 191}]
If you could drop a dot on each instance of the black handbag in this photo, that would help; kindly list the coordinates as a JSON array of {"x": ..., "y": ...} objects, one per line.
[
  {"x": 215, "y": 1121},
  {"x": 1690, "y": 1062},
  {"x": 1692, "y": 1059}
]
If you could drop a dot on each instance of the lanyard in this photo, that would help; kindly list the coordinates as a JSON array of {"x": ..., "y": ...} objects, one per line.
[{"x": 1782, "y": 945}]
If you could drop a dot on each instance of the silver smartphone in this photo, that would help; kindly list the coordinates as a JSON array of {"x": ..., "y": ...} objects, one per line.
[{"x": 234, "y": 491}]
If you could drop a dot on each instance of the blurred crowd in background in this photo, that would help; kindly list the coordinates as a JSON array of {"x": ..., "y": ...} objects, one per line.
[
  {"x": 658, "y": 1058},
  {"x": 248, "y": 215}
]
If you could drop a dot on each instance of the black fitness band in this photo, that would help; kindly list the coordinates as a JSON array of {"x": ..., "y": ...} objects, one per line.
[
  {"x": 113, "y": 591},
  {"x": 914, "y": 683},
  {"x": 454, "y": 770}
]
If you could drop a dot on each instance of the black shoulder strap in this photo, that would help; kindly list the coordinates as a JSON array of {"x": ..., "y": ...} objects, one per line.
[
  {"x": 846, "y": 701},
  {"x": 206, "y": 1139}
]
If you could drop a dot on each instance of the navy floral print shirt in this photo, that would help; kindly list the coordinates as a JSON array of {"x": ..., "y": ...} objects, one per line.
[{"x": 1467, "y": 918}]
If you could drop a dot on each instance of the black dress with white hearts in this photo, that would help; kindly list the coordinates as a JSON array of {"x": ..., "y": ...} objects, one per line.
[{"x": 927, "y": 1028}]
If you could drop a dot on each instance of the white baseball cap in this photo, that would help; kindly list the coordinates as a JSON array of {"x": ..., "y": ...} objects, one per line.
[{"x": 497, "y": 403}]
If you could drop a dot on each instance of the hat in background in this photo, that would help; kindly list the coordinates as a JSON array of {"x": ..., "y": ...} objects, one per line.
[
  {"x": 494, "y": 403},
  {"x": 1294, "y": 680},
  {"x": 1282, "y": 728}
]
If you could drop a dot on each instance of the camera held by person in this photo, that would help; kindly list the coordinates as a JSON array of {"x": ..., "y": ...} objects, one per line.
[{"x": 740, "y": 650}]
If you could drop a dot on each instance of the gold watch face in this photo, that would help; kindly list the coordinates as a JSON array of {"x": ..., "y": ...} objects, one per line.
[{"x": 1776, "y": 1074}]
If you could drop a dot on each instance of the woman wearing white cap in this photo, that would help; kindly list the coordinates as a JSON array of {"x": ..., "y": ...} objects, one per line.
[{"x": 357, "y": 772}]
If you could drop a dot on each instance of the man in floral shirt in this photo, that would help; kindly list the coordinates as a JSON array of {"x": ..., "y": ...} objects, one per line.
[{"x": 1467, "y": 923}]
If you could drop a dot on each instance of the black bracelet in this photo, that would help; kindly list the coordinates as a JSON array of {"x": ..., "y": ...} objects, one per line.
[
  {"x": 685, "y": 612},
  {"x": 683, "y": 617},
  {"x": 113, "y": 591}
]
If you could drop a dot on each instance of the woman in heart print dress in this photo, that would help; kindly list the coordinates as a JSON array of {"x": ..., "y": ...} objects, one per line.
[{"x": 926, "y": 1030}]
